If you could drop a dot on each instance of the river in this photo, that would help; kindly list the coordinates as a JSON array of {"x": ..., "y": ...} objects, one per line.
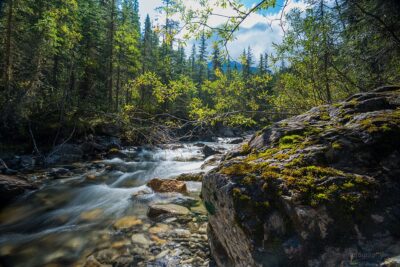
[{"x": 73, "y": 218}]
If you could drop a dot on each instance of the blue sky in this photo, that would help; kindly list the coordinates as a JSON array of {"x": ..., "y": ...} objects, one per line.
[
  {"x": 276, "y": 9},
  {"x": 259, "y": 31}
]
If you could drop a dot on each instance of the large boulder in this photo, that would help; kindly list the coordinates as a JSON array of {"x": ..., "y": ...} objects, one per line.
[
  {"x": 12, "y": 187},
  {"x": 318, "y": 189}
]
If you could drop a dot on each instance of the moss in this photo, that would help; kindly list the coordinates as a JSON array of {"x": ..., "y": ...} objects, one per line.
[
  {"x": 246, "y": 149},
  {"x": 281, "y": 156},
  {"x": 289, "y": 140},
  {"x": 353, "y": 103},
  {"x": 337, "y": 145},
  {"x": 385, "y": 122},
  {"x": 239, "y": 196},
  {"x": 238, "y": 168},
  {"x": 248, "y": 180}
]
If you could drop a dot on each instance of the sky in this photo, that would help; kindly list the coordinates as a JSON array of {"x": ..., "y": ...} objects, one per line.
[{"x": 259, "y": 31}]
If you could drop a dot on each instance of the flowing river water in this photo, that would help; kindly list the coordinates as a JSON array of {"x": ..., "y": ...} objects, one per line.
[{"x": 74, "y": 216}]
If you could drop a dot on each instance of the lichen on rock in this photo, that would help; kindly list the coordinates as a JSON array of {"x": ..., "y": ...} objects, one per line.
[{"x": 307, "y": 190}]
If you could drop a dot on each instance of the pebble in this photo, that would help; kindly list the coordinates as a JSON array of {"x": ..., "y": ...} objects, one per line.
[
  {"x": 141, "y": 239},
  {"x": 162, "y": 254},
  {"x": 127, "y": 222}
]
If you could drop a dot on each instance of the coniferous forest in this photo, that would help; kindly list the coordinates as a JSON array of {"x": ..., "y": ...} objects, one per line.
[
  {"x": 113, "y": 122},
  {"x": 72, "y": 64}
]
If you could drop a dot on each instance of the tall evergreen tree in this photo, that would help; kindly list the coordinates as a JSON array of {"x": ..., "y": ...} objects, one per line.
[
  {"x": 193, "y": 61},
  {"x": 202, "y": 60},
  {"x": 261, "y": 65},
  {"x": 216, "y": 60}
]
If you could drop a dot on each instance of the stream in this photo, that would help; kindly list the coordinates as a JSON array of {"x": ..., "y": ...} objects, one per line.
[{"x": 78, "y": 218}]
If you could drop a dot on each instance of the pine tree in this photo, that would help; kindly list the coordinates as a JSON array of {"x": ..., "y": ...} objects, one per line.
[
  {"x": 148, "y": 47},
  {"x": 193, "y": 60},
  {"x": 244, "y": 62},
  {"x": 266, "y": 63},
  {"x": 249, "y": 61},
  {"x": 202, "y": 60},
  {"x": 216, "y": 60},
  {"x": 261, "y": 65}
]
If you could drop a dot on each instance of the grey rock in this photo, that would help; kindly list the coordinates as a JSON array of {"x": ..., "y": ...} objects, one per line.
[{"x": 350, "y": 154}]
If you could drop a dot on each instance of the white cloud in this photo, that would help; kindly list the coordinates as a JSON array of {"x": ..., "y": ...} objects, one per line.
[
  {"x": 148, "y": 7},
  {"x": 257, "y": 31}
]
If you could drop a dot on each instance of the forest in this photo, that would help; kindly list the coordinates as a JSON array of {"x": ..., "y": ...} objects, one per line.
[{"x": 70, "y": 65}]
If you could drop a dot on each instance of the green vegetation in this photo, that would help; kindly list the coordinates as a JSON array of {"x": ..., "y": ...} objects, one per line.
[{"x": 70, "y": 67}]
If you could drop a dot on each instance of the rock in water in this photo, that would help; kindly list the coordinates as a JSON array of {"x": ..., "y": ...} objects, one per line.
[
  {"x": 156, "y": 210},
  {"x": 209, "y": 151},
  {"x": 127, "y": 222},
  {"x": 11, "y": 187},
  {"x": 167, "y": 186},
  {"x": 318, "y": 189}
]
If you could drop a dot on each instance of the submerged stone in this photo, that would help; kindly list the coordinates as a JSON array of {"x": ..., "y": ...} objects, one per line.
[{"x": 127, "y": 222}]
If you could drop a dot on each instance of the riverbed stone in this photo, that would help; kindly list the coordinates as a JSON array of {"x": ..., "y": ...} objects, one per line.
[
  {"x": 167, "y": 186},
  {"x": 127, "y": 222},
  {"x": 159, "y": 228},
  {"x": 91, "y": 215},
  {"x": 141, "y": 239},
  {"x": 156, "y": 210}
]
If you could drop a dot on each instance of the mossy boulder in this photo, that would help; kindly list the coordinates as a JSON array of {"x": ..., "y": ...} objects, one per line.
[{"x": 317, "y": 189}]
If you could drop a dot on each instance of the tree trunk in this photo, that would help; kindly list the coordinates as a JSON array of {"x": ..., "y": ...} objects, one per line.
[{"x": 118, "y": 88}]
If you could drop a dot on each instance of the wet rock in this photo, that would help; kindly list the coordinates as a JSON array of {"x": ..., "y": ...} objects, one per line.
[
  {"x": 156, "y": 210},
  {"x": 209, "y": 151},
  {"x": 58, "y": 173},
  {"x": 24, "y": 163},
  {"x": 183, "y": 233},
  {"x": 185, "y": 201},
  {"x": 167, "y": 186},
  {"x": 12, "y": 187},
  {"x": 159, "y": 228},
  {"x": 91, "y": 215},
  {"x": 141, "y": 239},
  {"x": 127, "y": 222},
  {"x": 211, "y": 161},
  {"x": 158, "y": 240},
  {"x": 121, "y": 244},
  {"x": 106, "y": 256},
  {"x": 199, "y": 145},
  {"x": 236, "y": 141}
]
